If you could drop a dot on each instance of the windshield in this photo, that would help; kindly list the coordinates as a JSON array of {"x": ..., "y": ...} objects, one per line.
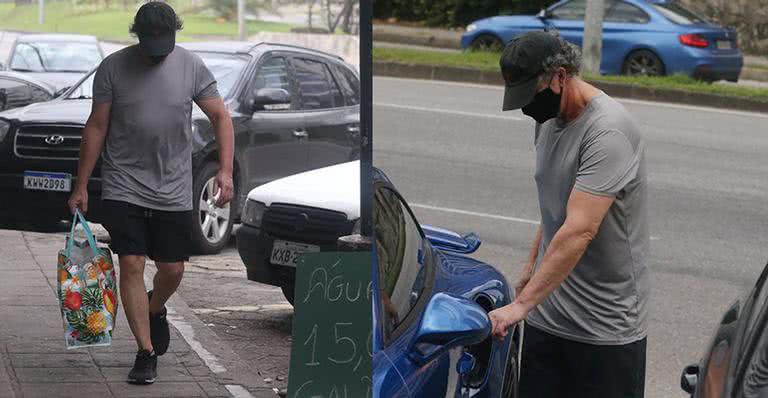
[
  {"x": 226, "y": 69},
  {"x": 676, "y": 13},
  {"x": 55, "y": 57}
]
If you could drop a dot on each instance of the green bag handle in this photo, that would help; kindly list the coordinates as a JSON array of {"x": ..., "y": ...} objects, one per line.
[{"x": 78, "y": 218}]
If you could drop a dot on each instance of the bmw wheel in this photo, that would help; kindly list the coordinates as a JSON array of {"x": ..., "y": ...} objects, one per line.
[
  {"x": 643, "y": 63},
  {"x": 212, "y": 224},
  {"x": 487, "y": 42}
]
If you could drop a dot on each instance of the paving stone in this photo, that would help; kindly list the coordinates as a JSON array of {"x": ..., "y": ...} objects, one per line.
[
  {"x": 199, "y": 371},
  {"x": 158, "y": 389},
  {"x": 65, "y": 390},
  {"x": 106, "y": 359},
  {"x": 45, "y": 360},
  {"x": 30, "y": 300},
  {"x": 58, "y": 375},
  {"x": 214, "y": 389},
  {"x": 164, "y": 373},
  {"x": 42, "y": 346},
  {"x": 190, "y": 359}
]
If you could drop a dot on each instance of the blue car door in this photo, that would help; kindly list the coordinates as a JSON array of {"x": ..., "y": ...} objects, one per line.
[
  {"x": 623, "y": 29},
  {"x": 568, "y": 19}
]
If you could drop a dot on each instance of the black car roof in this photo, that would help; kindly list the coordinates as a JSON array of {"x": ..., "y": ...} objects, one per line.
[{"x": 246, "y": 47}]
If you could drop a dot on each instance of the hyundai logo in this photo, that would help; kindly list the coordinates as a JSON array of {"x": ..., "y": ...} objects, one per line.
[
  {"x": 301, "y": 222},
  {"x": 54, "y": 139}
]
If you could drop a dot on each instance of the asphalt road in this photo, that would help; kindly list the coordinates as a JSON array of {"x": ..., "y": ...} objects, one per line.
[{"x": 466, "y": 166}]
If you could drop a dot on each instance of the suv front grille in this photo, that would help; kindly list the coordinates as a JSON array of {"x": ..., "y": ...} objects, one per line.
[
  {"x": 305, "y": 224},
  {"x": 48, "y": 142}
]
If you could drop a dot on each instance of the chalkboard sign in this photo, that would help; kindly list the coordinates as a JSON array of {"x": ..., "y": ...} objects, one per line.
[{"x": 331, "y": 349}]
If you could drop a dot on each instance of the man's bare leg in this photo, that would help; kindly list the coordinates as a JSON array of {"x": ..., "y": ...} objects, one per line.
[
  {"x": 166, "y": 281},
  {"x": 134, "y": 296}
]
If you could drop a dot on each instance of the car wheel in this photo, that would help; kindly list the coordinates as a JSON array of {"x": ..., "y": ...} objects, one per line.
[
  {"x": 487, "y": 42},
  {"x": 288, "y": 292},
  {"x": 212, "y": 225},
  {"x": 643, "y": 63},
  {"x": 511, "y": 374}
]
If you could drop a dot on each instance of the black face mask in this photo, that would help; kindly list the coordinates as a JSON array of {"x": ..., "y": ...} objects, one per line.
[
  {"x": 158, "y": 59},
  {"x": 545, "y": 106}
]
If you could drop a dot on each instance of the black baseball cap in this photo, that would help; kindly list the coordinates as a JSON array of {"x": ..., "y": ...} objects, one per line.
[
  {"x": 522, "y": 61},
  {"x": 155, "y": 24}
]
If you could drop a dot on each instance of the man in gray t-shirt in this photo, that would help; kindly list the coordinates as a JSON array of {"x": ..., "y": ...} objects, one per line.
[
  {"x": 584, "y": 292},
  {"x": 141, "y": 118}
]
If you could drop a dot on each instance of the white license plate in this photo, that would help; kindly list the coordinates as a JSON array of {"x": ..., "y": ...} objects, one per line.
[
  {"x": 288, "y": 253},
  {"x": 724, "y": 45},
  {"x": 45, "y": 181}
]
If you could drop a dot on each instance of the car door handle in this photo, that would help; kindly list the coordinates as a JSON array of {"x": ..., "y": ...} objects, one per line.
[
  {"x": 300, "y": 133},
  {"x": 353, "y": 128}
]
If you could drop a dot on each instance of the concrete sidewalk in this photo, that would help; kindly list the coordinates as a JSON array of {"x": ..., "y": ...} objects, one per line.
[{"x": 35, "y": 363}]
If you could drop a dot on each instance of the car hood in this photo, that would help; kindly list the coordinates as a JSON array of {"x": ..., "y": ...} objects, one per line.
[
  {"x": 515, "y": 21},
  {"x": 465, "y": 276},
  {"x": 57, "y": 79},
  {"x": 55, "y": 111},
  {"x": 335, "y": 188}
]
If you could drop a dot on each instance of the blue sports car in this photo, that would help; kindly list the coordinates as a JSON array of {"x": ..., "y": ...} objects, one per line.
[
  {"x": 431, "y": 331},
  {"x": 640, "y": 37}
]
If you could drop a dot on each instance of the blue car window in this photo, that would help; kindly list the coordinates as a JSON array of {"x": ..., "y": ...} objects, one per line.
[
  {"x": 399, "y": 251},
  {"x": 574, "y": 9},
  {"x": 622, "y": 12},
  {"x": 677, "y": 13}
]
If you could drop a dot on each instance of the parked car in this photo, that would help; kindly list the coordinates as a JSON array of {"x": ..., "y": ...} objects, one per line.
[
  {"x": 57, "y": 59},
  {"x": 294, "y": 215},
  {"x": 293, "y": 109},
  {"x": 431, "y": 328},
  {"x": 735, "y": 363},
  {"x": 640, "y": 37},
  {"x": 18, "y": 89}
]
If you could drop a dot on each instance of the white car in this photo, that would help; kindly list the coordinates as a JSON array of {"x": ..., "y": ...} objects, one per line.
[{"x": 299, "y": 214}]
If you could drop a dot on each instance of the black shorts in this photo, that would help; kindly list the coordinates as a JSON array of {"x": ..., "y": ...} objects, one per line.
[
  {"x": 163, "y": 236},
  {"x": 553, "y": 367}
]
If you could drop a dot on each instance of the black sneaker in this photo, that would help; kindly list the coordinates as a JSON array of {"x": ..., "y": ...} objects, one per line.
[
  {"x": 158, "y": 330},
  {"x": 144, "y": 369}
]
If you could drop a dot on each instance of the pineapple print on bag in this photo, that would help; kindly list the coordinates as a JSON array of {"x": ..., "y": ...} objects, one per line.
[{"x": 87, "y": 292}]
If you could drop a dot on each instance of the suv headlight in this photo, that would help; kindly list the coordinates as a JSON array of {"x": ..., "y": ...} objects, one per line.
[
  {"x": 471, "y": 27},
  {"x": 253, "y": 212},
  {"x": 4, "y": 127}
]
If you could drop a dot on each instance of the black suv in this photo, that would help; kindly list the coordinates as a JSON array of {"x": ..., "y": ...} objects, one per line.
[{"x": 293, "y": 109}]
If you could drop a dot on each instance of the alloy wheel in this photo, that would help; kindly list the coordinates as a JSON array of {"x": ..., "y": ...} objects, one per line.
[
  {"x": 214, "y": 220},
  {"x": 643, "y": 65}
]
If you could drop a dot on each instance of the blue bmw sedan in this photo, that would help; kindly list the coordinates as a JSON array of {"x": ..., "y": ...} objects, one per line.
[
  {"x": 431, "y": 331},
  {"x": 640, "y": 37}
]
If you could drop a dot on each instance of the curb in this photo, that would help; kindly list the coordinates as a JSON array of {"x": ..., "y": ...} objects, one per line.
[{"x": 470, "y": 75}]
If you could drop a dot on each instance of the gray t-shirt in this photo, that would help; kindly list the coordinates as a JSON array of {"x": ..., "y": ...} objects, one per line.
[
  {"x": 604, "y": 300},
  {"x": 147, "y": 158}
]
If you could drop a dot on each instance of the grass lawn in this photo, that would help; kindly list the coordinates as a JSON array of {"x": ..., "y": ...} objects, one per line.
[
  {"x": 490, "y": 61},
  {"x": 113, "y": 23}
]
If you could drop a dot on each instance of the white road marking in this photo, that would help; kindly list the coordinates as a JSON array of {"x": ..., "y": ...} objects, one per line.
[
  {"x": 448, "y": 111},
  {"x": 628, "y": 100},
  {"x": 186, "y": 331},
  {"x": 475, "y": 214},
  {"x": 238, "y": 391},
  {"x": 484, "y": 215},
  {"x": 210, "y": 360}
]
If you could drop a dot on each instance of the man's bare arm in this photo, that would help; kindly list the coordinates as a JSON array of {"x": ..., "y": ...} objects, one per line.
[
  {"x": 219, "y": 116},
  {"x": 585, "y": 214},
  {"x": 91, "y": 145},
  {"x": 525, "y": 275}
]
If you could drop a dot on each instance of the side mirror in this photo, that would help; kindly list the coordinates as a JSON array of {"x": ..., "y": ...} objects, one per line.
[
  {"x": 449, "y": 322},
  {"x": 543, "y": 14},
  {"x": 690, "y": 378},
  {"x": 451, "y": 241},
  {"x": 270, "y": 96}
]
